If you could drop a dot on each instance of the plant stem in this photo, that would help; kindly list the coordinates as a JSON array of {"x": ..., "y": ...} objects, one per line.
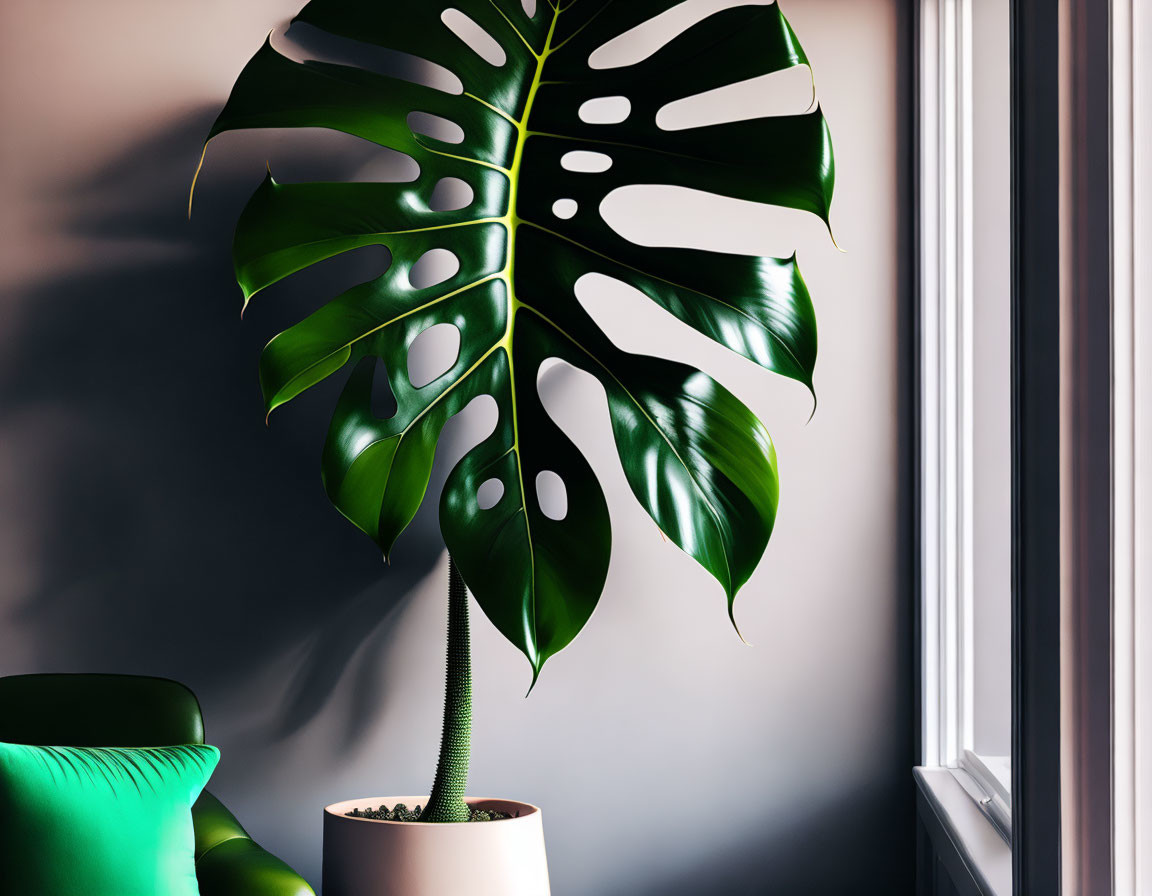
[{"x": 446, "y": 804}]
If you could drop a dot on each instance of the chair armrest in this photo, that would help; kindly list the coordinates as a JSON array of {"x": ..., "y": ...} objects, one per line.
[
  {"x": 229, "y": 863},
  {"x": 239, "y": 867},
  {"x": 213, "y": 823}
]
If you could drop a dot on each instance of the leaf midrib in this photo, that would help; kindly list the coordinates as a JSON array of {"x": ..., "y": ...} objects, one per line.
[
  {"x": 509, "y": 221},
  {"x": 513, "y": 303}
]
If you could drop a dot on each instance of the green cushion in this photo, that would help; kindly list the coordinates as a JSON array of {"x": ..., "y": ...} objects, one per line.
[{"x": 102, "y": 821}]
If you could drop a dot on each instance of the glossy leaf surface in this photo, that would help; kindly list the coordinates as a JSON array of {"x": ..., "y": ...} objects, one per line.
[{"x": 697, "y": 459}]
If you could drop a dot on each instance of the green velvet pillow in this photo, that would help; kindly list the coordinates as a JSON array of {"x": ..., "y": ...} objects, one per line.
[{"x": 100, "y": 821}]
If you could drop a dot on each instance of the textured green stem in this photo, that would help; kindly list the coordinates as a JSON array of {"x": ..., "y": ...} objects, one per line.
[{"x": 447, "y": 801}]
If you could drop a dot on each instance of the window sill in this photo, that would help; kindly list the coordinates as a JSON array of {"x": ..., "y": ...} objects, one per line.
[
  {"x": 966, "y": 842},
  {"x": 991, "y": 777}
]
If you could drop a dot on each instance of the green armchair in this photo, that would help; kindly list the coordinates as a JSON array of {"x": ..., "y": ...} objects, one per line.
[{"x": 137, "y": 711}]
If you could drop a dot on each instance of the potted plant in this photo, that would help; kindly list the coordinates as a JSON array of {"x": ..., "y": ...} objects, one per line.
[{"x": 698, "y": 460}]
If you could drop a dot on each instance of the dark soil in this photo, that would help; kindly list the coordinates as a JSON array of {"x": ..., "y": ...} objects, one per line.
[{"x": 400, "y": 812}]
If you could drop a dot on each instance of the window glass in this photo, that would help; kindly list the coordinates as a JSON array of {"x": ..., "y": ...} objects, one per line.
[{"x": 991, "y": 654}]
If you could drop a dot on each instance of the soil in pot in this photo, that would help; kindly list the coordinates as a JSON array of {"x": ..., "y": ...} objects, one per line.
[{"x": 400, "y": 812}]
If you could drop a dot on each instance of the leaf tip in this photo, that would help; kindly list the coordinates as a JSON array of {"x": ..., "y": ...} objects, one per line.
[
  {"x": 826, "y": 217},
  {"x": 732, "y": 618},
  {"x": 537, "y": 666},
  {"x": 247, "y": 292},
  {"x": 196, "y": 177}
]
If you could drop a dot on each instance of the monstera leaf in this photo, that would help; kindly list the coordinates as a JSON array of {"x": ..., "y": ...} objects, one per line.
[{"x": 697, "y": 459}]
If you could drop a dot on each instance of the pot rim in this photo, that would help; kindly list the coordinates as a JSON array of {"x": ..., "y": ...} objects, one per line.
[{"x": 338, "y": 810}]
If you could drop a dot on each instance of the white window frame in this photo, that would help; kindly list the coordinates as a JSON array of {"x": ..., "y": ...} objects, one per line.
[
  {"x": 946, "y": 414},
  {"x": 947, "y": 420},
  {"x": 946, "y": 377},
  {"x": 1132, "y": 441}
]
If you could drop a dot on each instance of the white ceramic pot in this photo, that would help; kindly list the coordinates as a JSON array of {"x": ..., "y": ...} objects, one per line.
[{"x": 364, "y": 857}]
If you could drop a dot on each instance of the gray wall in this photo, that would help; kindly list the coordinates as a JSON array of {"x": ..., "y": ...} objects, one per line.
[{"x": 150, "y": 523}]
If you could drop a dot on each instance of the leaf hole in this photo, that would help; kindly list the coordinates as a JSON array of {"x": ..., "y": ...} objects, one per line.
[
  {"x": 464, "y": 431},
  {"x": 551, "y": 495},
  {"x": 478, "y": 40},
  {"x": 584, "y": 162},
  {"x": 565, "y": 208},
  {"x": 606, "y": 110},
  {"x": 625, "y": 314},
  {"x": 489, "y": 494},
  {"x": 641, "y": 41},
  {"x": 786, "y": 92},
  {"x": 680, "y": 217},
  {"x": 388, "y": 166},
  {"x": 432, "y": 354},
  {"x": 451, "y": 194},
  {"x": 433, "y": 267},
  {"x": 529, "y": 7},
  {"x": 436, "y": 127}
]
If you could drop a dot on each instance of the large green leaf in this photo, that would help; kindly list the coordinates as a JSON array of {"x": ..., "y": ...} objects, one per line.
[{"x": 697, "y": 459}]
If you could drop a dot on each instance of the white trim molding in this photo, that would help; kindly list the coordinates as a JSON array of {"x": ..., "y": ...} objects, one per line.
[
  {"x": 946, "y": 374},
  {"x": 1132, "y": 441}
]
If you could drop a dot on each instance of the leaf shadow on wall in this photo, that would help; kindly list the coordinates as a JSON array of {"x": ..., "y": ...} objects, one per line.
[{"x": 173, "y": 532}]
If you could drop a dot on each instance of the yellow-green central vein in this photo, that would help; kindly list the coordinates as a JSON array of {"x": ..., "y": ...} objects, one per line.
[{"x": 508, "y": 275}]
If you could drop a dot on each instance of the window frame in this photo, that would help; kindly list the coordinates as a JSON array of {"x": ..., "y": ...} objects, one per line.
[
  {"x": 1036, "y": 448},
  {"x": 945, "y": 377},
  {"x": 1131, "y": 280},
  {"x": 1081, "y": 89},
  {"x": 945, "y": 146},
  {"x": 947, "y": 387}
]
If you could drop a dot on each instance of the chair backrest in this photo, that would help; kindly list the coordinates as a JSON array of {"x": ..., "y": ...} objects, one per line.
[{"x": 98, "y": 711}]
